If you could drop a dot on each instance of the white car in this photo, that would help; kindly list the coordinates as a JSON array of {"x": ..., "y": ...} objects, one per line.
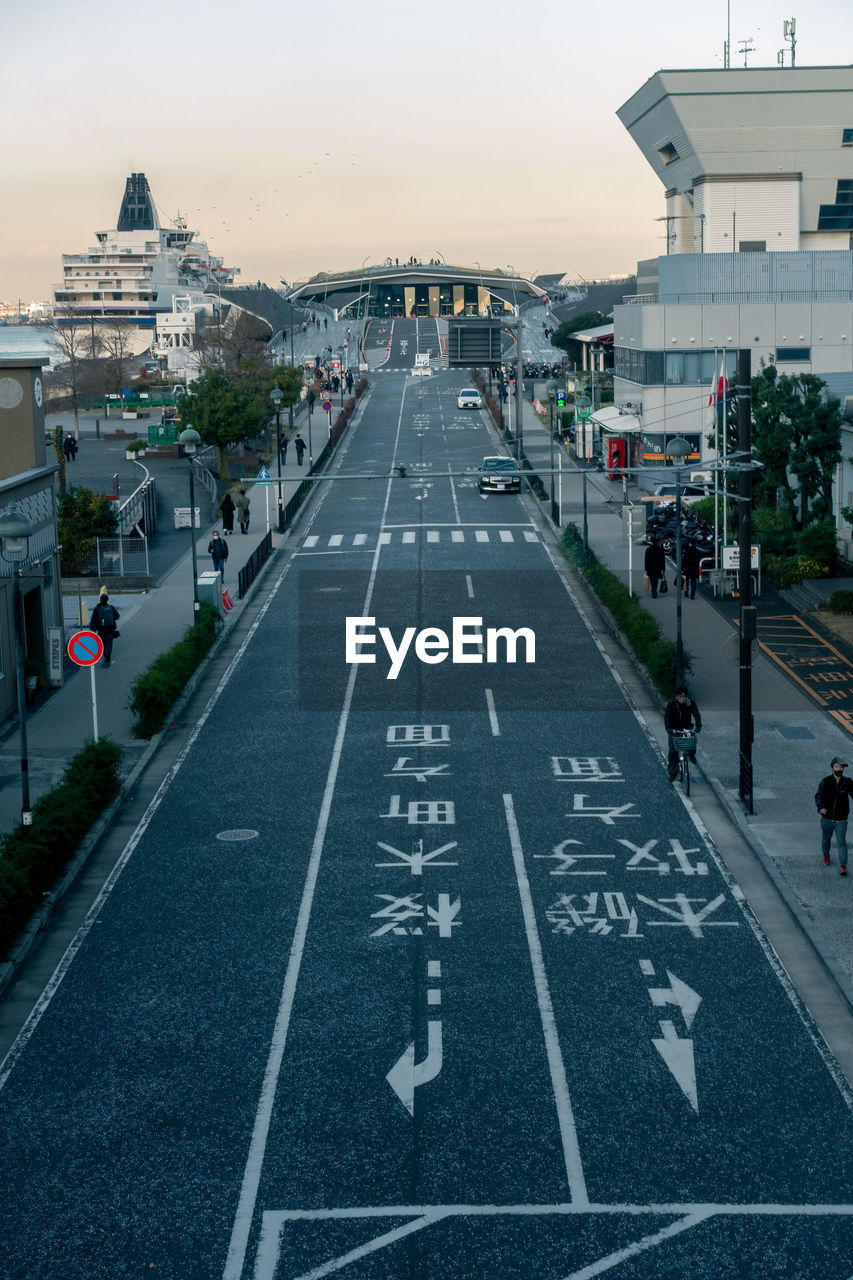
[{"x": 469, "y": 399}]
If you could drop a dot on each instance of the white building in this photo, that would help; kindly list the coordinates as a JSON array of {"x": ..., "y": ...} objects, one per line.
[{"x": 757, "y": 166}]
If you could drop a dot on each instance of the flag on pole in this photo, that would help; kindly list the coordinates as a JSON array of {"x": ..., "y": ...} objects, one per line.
[{"x": 721, "y": 398}]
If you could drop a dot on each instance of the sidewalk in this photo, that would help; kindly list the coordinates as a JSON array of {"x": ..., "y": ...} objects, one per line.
[{"x": 794, "y": 740}]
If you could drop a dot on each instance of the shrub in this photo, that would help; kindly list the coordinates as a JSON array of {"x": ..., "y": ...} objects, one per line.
[
  {"x": 773, "y": 529},
  {"x": 32, "y": 858},
  {"x": 83, "y": 516},
  {"x": 638, "y": 626},
  {"x": 157, "y": 689},
  {"x": 840, "y": 602},
  {"x": 817, "y": 543}
]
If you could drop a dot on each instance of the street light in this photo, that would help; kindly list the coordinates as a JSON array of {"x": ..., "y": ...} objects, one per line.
[
  {"x": 277, "y": 396},
  {"x": 15, "y": 533},
  {"x": 189, "y": 440},
  {"x": 679, "y": 449},
  {"x": 551, "y": 388},
  {"x": 341, "y": 372}
]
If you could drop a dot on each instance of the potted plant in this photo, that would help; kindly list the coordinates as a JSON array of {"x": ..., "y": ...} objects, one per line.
[{"x": 134, "y": 449}]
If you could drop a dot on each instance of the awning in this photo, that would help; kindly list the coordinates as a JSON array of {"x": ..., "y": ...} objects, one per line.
[{"x": 616, "y": 422}]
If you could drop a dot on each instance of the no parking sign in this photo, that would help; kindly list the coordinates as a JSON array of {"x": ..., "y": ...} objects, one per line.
[
  {"x": 326, "y": 402},
  {"x": 85, "y": 648}
]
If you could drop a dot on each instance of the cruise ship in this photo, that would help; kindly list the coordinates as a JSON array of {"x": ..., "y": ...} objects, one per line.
[{"x": 135, "y": 270}]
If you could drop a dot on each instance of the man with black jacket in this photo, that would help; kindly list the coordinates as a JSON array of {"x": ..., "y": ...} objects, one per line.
[
  {"x": 681, "y": 713},
  {"x": 832, "y": 800}
]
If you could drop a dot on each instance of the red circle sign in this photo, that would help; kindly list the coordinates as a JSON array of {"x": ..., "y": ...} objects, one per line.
[
  {"x": 85, "y": 648},
  {"x": 326, "y": 403}
]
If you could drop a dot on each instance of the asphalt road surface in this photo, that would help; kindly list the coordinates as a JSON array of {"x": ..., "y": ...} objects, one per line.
[{"x": 429, "y": 977}]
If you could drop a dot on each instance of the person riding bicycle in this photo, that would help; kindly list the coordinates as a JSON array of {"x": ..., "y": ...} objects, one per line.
[{"x": 681, "y": 713}]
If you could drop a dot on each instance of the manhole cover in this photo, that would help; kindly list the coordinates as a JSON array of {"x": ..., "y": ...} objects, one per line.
[
  {"x": 794, "y": 732},
  {"x": 239, "y": 833}
]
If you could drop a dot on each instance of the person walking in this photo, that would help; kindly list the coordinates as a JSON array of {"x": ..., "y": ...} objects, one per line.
[
  {"x": 299, "y": 446},
  {"x": 69, "y": 447},
  {"x": 217, "y": 549},
  {"x": 104, "y": 619},
  {"x": 832, "y": 801},
  {"x": 285, "y": 441},
  {"x": 690, "y": 569},
  {"x": 242, "y": 505},
  {"x": 654, "y": 563},
  {"x": 349, "y": 380},
  {"x": 227, "y": 508},
  {"x": 681, "y": 713}
]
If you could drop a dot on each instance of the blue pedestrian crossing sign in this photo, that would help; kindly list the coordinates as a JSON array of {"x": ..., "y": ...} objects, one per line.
[{"x": 263, "y": 477}]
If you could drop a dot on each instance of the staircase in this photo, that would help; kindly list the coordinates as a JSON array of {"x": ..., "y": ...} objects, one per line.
[{"x": 813, "y": 593}]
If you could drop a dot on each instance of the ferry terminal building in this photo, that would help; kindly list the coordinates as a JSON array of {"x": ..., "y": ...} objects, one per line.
[{"x": 417, "y": 289}]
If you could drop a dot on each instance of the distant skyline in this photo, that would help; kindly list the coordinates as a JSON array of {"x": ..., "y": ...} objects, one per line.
[{"x": 300, "y": 140}]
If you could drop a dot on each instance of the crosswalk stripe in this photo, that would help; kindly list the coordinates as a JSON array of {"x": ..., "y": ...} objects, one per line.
[
  {"x": 359, "y": 540},
  {"x": 457, "y": 535},
  {"x": 384, "y": 539},
  {"x": 409, "y": 536},
  {"x": 432, "y": 535},
  {"x": 482, "y": 535},
  {"x": 311, "y": 540},
  {"x": 336, "y": 539},
  {"x": 530, "y": 536},
  {"x": 505, "y": 535}
]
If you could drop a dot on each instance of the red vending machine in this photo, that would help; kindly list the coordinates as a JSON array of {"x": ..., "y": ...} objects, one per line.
[{"x": 615, "y": 456}]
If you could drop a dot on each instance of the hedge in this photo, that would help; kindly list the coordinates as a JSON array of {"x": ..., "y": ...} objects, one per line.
[
  {"x": 33, "y": 858},
  {"x": 638, "y": 626},
  {"x": 157, "y": 689},
  {"x": 840, "y": 602}
]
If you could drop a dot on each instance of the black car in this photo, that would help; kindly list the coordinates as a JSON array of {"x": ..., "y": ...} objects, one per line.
[{"x": 499, "y": 474}]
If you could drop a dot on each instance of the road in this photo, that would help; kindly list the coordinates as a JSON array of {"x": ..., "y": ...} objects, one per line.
[{"x": 425, "y": 976}]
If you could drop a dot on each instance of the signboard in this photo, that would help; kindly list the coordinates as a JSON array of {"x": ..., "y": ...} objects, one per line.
[
  {"x": 326, "y": 402},
  {"x": 422, "y": 360},
  {"x": 263, "y": 477},
  {"x": 54, "y": 655},
  {"x": 85, "y": 648},
  {"x": 182, "y": 517},
  {"x": 731, "y": 557},
  {"x": 474, "y": 342}
]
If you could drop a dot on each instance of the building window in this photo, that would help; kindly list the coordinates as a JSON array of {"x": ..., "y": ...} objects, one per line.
[
  {"x": 798, "y": 354},
  {"x": 668, "y": 153},
  {"x": 847, "y": 137},
  {"x": 752, "y": 246}
]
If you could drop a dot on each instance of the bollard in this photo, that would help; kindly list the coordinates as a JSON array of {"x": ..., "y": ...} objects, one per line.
[{"x": 97, "y": 428}]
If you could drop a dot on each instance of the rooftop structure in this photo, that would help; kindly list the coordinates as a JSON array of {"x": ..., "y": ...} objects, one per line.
[{"x": 418, "y": 289}]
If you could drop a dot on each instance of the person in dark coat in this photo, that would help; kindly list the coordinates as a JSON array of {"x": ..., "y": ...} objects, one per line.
[
  {"x": 104, "y": 619},
  {"x": 654, "y": 564},
  {"x": 285, "y": 441},
  {"x": 227, "y": 508},
  {"x": 299, "y": 446},
  {"x": 217, "y": 549},
  {"x": 69, "y": 447},
  {"x": 681, "y": 713},
  {"x": 690, "y": 569},
  {"x": 832, "y": 800}
]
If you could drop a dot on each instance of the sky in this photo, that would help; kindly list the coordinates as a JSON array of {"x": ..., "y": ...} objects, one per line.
[{"x": 300, "y": 138}]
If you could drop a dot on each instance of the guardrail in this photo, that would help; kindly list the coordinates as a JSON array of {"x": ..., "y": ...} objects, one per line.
[
  {"x": 139, "y": 511},
  {"x": 254, "y": 564}
]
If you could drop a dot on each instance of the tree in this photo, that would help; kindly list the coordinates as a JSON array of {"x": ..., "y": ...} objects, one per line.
[
  {"x": 117, "y": 338},
  {"x": 83, "y": 516},
  {"x": 243, "y": 337},
  {"x": 72, "y": 339},
  {"x": 797, "y": 436},
  {"x": 225, "y": 408},
  {"x": 562, "y": 336}
]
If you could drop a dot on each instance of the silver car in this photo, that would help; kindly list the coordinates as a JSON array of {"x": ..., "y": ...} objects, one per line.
[{"x": 469, "y": 399}]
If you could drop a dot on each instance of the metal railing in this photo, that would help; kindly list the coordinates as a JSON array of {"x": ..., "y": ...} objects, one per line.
[
  {"x": 253, "y": 565},
  {"x": 117, "y": 558},
  {"x": 139, "y": 511}
]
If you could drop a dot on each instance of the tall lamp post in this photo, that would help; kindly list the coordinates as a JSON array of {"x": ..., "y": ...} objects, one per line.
[
  {"x": 276, "y": 396},
  {"x": 679, "y": 449},
  {"x": 189, "y": 440},
  {"x": 15, "y": 533},
  {"x": 341, "y": 372},
  {"x": 551, "y": 388}
]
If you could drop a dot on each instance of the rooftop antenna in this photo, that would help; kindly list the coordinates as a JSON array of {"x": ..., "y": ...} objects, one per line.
[
  {"x": 746, "y": 48},
  {"x": 789, "y": 31},
  {"x": 727, "y": 47}
]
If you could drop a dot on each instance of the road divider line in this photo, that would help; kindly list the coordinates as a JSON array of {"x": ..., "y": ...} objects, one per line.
[
  {"x": 559, "y": 1083},
  {"x": 469, "y": 584},
  {"x": 493, "y": 719},
  {"x": 245, "y": 1213}
]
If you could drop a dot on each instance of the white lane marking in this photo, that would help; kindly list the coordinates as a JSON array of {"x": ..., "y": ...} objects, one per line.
[
  {"x": 529, "y": 536},
  {"x": 481, "y": 535},
  {"x": 457, "y": 535},
  {"x": 245, "y": 1213},
  {"x": 359, "y": 540},
  {"x": 505, "y": 535},
  {"x": 712, "y": 1209},
  {"x": 469, "y": 584},
  {"x": 265, "y": 1267},
  {"x": 409, "y": 537},
  {"x": 559, "y": 1083},
  {"x": 432, "y": 535},
  {"x": 638, "y": 1246},
  {"x": 493, "y": 719},
  {"x": 406, "y": 1074},
  {"x": 311, "y": 540},
  {"x": 336, "y": 539},
  {"x": 466, "y": 524},
  {"x": 453, "y": 492}
]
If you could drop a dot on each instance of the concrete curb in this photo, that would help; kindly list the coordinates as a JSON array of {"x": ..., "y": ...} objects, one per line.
[{"x": 39, "y": 920}]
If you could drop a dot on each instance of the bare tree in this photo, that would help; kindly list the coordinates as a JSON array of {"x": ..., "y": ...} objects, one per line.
[
  {"x": 72, "y": 339},
  {"x": 117, "y": 337}
]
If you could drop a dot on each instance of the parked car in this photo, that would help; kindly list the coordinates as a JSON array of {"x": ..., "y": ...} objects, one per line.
[
  {"x": 469, "y": 399},
  {"x": 499, "y": 474},
  {"x": 690, "y": 493}
]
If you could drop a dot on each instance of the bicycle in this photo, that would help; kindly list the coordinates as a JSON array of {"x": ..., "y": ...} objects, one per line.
[{"x": 684, "y": 741}]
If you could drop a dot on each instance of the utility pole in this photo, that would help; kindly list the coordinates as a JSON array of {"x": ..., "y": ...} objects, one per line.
[{"x": 747, "y": 609}]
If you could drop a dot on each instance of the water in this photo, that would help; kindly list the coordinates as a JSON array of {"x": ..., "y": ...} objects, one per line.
[{"x": 29, "y": 340}]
